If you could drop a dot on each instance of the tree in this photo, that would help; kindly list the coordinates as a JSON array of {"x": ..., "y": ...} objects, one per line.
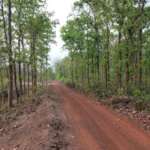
[
  {"x": 26, "y": 32},
  {"x": 108, "y": 38}
]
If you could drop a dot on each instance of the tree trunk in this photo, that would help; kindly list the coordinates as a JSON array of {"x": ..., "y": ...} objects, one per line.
[
  {"x": 28, "y": 76},
  {"x": 107, "y": 57},
  {"x": 24, "y": 64},
  {"x": 19, "y": 68},
  {"x": 46, "y": 72},
  {"x": 120, "y": 62},
  {"x": 141, "y": 9},
  {"x": 15, "y": 82},
  {"x": 10, "y": 55},
  {"x": 34, "y": 65},
  {"x": 24, "y": 77},
  {"x": 140, "y": 58},
  {"x": 72, "y": 66},
  {"x": 127, "y": 70}
]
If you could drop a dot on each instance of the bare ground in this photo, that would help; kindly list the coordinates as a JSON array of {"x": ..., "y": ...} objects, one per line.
[
  {"x": 38, "y": 126},
  {"x": 97, "y": 127},
  {"x": 63, "y": 119}
]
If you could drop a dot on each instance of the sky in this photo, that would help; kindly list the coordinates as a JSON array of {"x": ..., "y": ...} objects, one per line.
[{"x": 61, "y": 9}]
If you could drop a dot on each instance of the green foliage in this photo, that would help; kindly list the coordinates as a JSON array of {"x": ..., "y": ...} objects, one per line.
[
  {"x": 108, "y": 43},
  {"x": 137, "y": 93},
  {"x": 27, "y": 30},
  {"x": 120, "y": 92}
]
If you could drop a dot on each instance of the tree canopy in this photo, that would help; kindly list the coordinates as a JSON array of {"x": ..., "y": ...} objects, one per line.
[
  {"x": 27, "y": 30},
  {"x": 108, "y": 43}
]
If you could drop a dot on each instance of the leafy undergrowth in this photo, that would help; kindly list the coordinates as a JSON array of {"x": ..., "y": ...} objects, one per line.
[{"x": 135, "y": 110}]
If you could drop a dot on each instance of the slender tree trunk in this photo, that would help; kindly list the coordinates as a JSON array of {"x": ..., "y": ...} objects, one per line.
[
  {"x": 10, "y": 55},
  {"x": 106, "y": 76},
  {"x": 140, "y": 58},
  {"x": 34, "y": 65},
  {"x": 28, "y": 76},
  {"x": 97, "y": 55},
  {"x": 46, "y": 72},
  {"x": 127, "y": 69},
  {"x": 92, "y": 65},
  {"x": 1, "y": 85},
  {"x": 72, "y": 71},
  {"x": 15, "y": 82},
  {"x": 19, "y": 48},
  {"x": 141, "y": 9},
  {"x": 120, "y": 62},
  {"x": 88, "y": 70},
  {"x": 108, "y": 53},
  {"x": 24, "y": 77},
  {"x": 107, "y": 57},
  {"x": 41, "y": 74},
  {"x": 24, "y": 64},
  {"x": 19, "y": 68}
]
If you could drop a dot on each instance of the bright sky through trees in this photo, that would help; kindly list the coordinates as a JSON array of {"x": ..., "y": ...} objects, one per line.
[{"x": 62, "y": 9}]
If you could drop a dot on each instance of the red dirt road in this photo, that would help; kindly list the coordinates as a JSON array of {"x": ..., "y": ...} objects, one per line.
[{"x": 96, "y": 127}]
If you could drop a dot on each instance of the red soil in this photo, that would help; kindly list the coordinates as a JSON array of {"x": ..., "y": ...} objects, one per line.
[
  {"x": 95, "y": 127},
  {"x": 98, "y": 128}
]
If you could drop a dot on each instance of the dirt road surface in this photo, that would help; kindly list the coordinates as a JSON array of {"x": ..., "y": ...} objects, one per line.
[
  {"x": 67, "y": 120},
  {"x": 96, "y": 127},
  {"x": 39, "y": 126}
]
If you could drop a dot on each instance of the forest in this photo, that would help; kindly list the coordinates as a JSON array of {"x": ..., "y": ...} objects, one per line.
[
  {"x": 108, "y": 43},
  {"x": 74, "y": 74},
  {"x": 109, "y": 48},
  {"x": 26, "y": 32}
]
